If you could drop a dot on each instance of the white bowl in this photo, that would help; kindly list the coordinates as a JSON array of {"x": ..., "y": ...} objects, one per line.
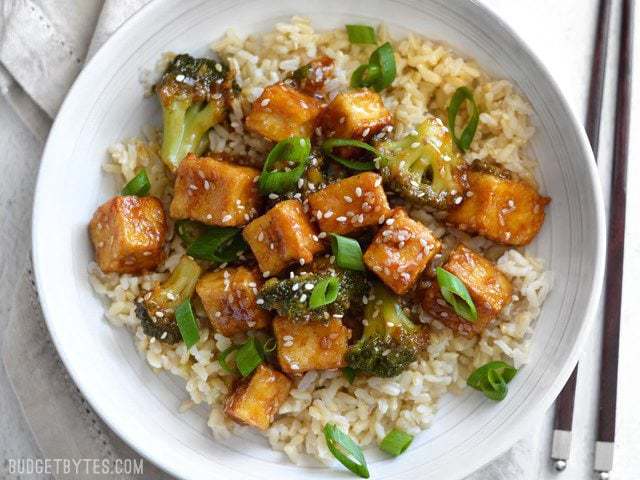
[{"x": 106, "y": 104}]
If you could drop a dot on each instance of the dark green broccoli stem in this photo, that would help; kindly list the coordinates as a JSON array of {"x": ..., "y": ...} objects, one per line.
[
  {"x": 192, "y": 94},
  {"x": 390, "y": 340},
  {"x": 156, "y": 310},
  {"x": 424, "y": 168},
  {"x": 290, "y": 297}
]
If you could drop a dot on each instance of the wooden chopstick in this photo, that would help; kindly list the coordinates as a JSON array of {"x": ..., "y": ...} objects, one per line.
[
  {"x": 563, "y": 420},
  {"x": 603, "y": 461}
]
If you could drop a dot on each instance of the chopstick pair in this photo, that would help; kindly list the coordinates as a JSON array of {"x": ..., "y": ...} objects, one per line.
[{"x": 603, "y": 462}]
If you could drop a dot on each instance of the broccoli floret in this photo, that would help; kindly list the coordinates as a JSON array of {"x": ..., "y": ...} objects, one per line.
[
  {"x": 390, "y": 340},
  {"x": 290, "y": 297},
  {"x": 192, "y": 92},
  {"x": 423, "y": 167},
  {"x": 156, "y": 310}
]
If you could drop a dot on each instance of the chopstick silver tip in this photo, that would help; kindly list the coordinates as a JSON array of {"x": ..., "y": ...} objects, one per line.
[
  {"x": 560, "y": 448},
  {"x": 603, "y": 459}
]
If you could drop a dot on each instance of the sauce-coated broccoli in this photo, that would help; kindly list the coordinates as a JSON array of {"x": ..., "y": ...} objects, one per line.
[
  {"x": 290, "y": 297},
  {"x": 424, "y": 168},
  {"x": 390, "y": 340},
  {"x": 192, "y": 92},
  {"x": 156, "y": 310}
]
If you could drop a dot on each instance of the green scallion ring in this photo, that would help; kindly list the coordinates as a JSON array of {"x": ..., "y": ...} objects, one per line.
[
  {"x": 330, "y": 144},
  {"x": 492, "y": 379},
  {"x": 222, "y": 359},
  {"x": 361, "y": 34},
  {"x": 456, "y": 295},
  {"x": 379, "y": 73},
  {"x": 295, "y": 150},
  {"x": 346, "y": 451},
  {"x": 396, "y": 442},
  {"x": 347, "y": 253},
  {"x": 324, "y": 292},
  {"x": 464, "y": 140},
  {"x": 187, "y": 323},
  {"x": 138, "y": 185},
  {"x": 248, "y": 357}
]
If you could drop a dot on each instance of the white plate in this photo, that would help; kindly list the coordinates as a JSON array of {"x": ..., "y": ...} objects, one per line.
[{"x": 106, "y": 104}]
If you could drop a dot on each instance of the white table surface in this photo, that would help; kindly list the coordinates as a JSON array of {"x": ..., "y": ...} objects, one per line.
[{"x": 561, "y": 33}]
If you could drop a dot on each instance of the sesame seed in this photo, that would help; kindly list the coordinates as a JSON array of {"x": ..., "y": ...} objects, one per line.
[
  {"x": 458, "y": 200},
  {"x": 303, "y": 298},
  {"x": 322, "y": 235},
  {"x": 265, "y": 102},
  {"x": 319, "y": 214},
  {"x": 348, "y": 199},
  {"x": 295, "y": 287},
  {"x": 179, "y": 78},
  {"x": 301, "y": 261},
  {"x": 294, "y": 366},
  {"x": 207, "y": 185},
  {"x": 390, "y": 221},
  {"x": 209, "y": 216},
  {"x": 226, "y": 218},
  {"x": 159, "y": 314},
  {"x": 218, "y": 67},
  {"x": 365, "y": 300},
  {"x": 260, "y": 301},
  {"x": 273, "y": 196},
  {"x": 266, "y": 274},
  {"x": 341, "y": 219},
  {"x": 300, "y": 182},
  {"x": 261, "y": 236},
  {"x": 328, "y": 214},
  {"x": 342, "y": 119},
  {"x": 415, "y": 144},
  {"x": 303, "y": 142},
  {"x": 164, "y": 334},
  {"x": 309, "y": 286},
  {"x": 366, "y": 132},
  {"x": 358, "y": 192}
]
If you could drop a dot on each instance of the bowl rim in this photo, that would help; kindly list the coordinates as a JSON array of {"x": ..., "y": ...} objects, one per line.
[{"x": 519, "y": 428}]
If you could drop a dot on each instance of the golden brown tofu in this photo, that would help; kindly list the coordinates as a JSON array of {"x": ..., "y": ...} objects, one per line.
[
  {"x": 282, "y": 112},
  {"x": 304, "y": 346},
  {"x": 128, "y": 234},
  {"x": 256, "y": 401},
  {"x": 282, "y": 236},
  {"x": 501, "y": 209},
  {"x": 358, "y": 114},
  {"x": 488, "y": 287},
  {"x": 229, "y": 297},
  {"x": 215, "y": 192},
  {"x": 350, "y": 204},
  {"x": 400, "y": 251}
]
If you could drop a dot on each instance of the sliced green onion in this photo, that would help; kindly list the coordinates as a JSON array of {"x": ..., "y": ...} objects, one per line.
[
  {"x": 347, "y": 252},
  {"x": 248, "y": 357},
  {"x": 379, "y": 73},
  {"x": 295, "y": 150},
  {"x": 396, "y": 442},
  {"x": 330, "y": 144},
  {"x": 187, "y": 323},
  {"x": 464, "y": 140},
  {"x": 492, "y": 379},
  {"x": 346, "y": 451},
  {"x": 301, "y": 73},
  {"x": 324, "y": 292},
  {"x": 349, "y": 373},
  {"x": 222, "y": 359},
  {"x": 189, "y": 230},
  {"x": 361, "y": 34},
  {"x": 229, "y": 251},
  {"x": 138, "y": 185},
  {"x": 456, "y": 295},
  {"x": 269, "y": 345},
  {"x": 212, "y": 243}
]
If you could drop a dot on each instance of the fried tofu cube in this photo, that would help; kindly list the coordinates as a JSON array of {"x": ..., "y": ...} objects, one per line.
[
  {"x": 504, "y": 210},
  {"x": 256, "y": 401},
  {"x": 350, "y": 204},
  {"x": 304, "y": 346},
  {"x": 488, "y": 287},
  {"x": 128, "y": 234},
  {"x": 282, "y": 236},
  {"x": 358, "y": 114},
  {"x": 215, "y": 192},
  {"x": 312, "y": 76},
  {"x": 229, "y": 298},
  {"x": 282, "y": 112},
  {"x": 400, "y": 252}
]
